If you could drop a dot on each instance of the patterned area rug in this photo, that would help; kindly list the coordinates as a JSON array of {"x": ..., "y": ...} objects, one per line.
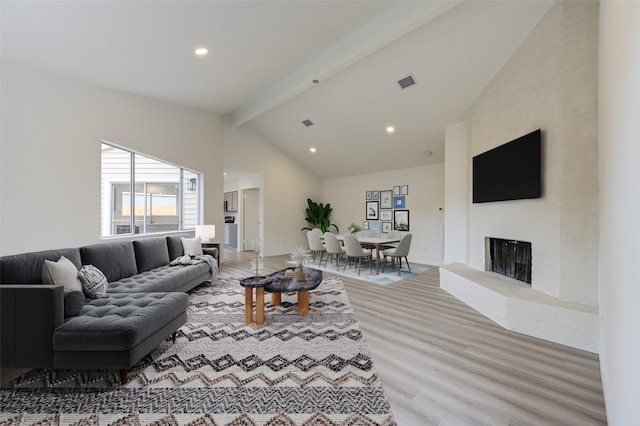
[{"x": 293, "y": 370}]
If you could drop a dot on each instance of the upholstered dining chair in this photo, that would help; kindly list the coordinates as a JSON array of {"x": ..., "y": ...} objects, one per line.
[
  {"x": 374, "y": 233},
  {"x": 315, "y": 245},
  {"x": 354, "y": 250},
  {"x": 333, "y": 247},
  {"x": 317, "y": 231},
  {"x": 392, "y": 235},
  {"x": 398, "y": 253}
]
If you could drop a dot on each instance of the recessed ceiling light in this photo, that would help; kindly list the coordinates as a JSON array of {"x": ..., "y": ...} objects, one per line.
[
  {"x": 315, "y": 81},
  {"x": 225, "y": 173},
  {"x": 312, "y": 150},
  {"x": 201, "y": 51},
  {"x": 390, "y": 129},
  {"x": 428, "y": 153}
]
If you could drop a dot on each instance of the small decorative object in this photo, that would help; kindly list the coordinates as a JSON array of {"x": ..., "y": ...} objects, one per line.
[
  {"x": 353, "y": 228},
  {"x": 299, "y": 255},
  {"x": 256, "y": 264}
]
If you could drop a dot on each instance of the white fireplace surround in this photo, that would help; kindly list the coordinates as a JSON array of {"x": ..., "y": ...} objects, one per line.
[{"x": 518, "y": 307}]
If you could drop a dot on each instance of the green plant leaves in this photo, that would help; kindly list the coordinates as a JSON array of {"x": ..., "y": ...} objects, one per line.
[{"x": 318, "y": 216}]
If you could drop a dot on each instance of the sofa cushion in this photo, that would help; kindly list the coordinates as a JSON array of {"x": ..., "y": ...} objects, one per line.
[
  {"x": 73, "y": 302},
  {"x": 174, "y": 244},
  {"x": 94, "y": 283},
  {"x": 151, "y": 253},
  {"x": 163, "y": 278},
  {"x": 27, "y": 268},
  {"x": 115, "y": 260},
  {"x": 118, "y": 322},
  {"x": 63, "y": 272},
  {"x": 192, "y": 246}
]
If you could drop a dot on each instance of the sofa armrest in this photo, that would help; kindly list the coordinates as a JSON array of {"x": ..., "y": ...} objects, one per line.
[
  {"x": 28, "y": 316},
  {"x": 212, "y": 251}
]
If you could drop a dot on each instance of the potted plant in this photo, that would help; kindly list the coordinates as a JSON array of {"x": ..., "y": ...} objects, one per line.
[
  {"x": 318, "y": 216},
  {"x": 353, "y": 228},
  {"x": 299, "y": 255}
]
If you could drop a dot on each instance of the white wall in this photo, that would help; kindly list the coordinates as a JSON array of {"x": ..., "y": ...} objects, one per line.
[
  {"x": 426, "y": 195},
  {"x": 286, "y": 187},
  {"x": 619, "y": 84},
  {"x": 550, "y": 83},
  {"x": 456, "y": 193},
  {"x": 52, "y": 128}
]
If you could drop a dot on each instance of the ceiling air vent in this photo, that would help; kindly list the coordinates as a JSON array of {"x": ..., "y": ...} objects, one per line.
[
  {"x": 406, "y": 82},
  {"x": 307, "y": 122}
]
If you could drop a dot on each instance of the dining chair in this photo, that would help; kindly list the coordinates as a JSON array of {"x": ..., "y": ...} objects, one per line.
[
  {"x": 317, "y": 231},
  {"x": 392, "y": 235},
  {"x": 315, "y": 245},
  {"x": 374, "y": 233},
  {"x": 398, "y": 253},
  {"x": 353, "y": 249},
  {"x": 333, "y": 247}
]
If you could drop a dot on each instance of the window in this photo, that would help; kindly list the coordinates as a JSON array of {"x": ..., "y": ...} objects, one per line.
[{"x": 163, "y": 197}]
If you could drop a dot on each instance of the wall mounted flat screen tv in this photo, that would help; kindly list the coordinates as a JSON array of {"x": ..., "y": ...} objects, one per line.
[{"x": 510, "y": 171}]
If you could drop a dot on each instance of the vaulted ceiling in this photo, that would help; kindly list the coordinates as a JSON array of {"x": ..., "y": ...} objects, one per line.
[{"x": 265, "y": 55}]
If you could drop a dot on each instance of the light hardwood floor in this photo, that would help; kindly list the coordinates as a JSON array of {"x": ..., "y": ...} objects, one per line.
[{"x": 443, "y": 363}]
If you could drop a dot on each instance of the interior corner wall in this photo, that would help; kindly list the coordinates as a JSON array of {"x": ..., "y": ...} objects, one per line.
[
  {"x": 52, "y": 128},
  {"x": 456, "y": 197},
  {"x": 619, "y": 85},
  {"x": 550, "y": 83},
  {"x": 347, "y": 196},
  {"x": 286, "y": 187}
]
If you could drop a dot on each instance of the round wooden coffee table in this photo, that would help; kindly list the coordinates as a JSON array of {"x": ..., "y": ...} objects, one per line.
[{"x": 276, "y": 284}]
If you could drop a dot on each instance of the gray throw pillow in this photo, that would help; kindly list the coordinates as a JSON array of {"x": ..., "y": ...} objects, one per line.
[{"x": 94, "y": 283}]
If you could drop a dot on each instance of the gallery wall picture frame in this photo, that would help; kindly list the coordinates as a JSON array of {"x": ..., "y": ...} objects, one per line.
[
  {"x": 369, "y": 195},
  {"x": 396, "y": 190},
  {"x": 365, "y": 225},
  {"x": 376, "y": 195},
  {"x": 401, "y": 220},
  {"x": 386, "y": 199},
  {"x": 386, "y": 227},
  {"x": 398, "y": 202},
  {"x": 404, "y": 190},
  {"x": 375, "y": 225},
  {"x": 371, "y": 210},
  {"x": 386, "y": 215}
]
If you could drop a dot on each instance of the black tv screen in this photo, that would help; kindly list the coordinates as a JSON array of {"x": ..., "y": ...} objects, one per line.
[{"x": 510, "y": 171}]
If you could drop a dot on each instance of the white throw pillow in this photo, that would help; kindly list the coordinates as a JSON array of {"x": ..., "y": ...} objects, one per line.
[
  {"x": 192, "y": 246},
  {"x": 63, "y": 272},
  {"x": 94, "y": 283}
]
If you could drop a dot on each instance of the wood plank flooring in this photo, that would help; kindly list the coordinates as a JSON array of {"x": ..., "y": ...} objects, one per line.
[{"x": 442, "y": 363}]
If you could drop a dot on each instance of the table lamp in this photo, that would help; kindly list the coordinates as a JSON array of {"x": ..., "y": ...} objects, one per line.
[{"x": 206, "y": 232}]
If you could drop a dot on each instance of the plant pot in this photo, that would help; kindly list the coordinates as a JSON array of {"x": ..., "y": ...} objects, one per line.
[{"x": 300, "y": 274}]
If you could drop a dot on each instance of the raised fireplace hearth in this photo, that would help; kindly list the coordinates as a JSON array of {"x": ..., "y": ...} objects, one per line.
[{"x": 510, "y": 258}]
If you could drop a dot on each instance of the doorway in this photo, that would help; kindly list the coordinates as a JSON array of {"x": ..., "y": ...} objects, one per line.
[{"x": 251, "y": 217}]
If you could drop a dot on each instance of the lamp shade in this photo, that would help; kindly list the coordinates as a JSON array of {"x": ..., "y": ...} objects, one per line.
[{"x": 206, "y": 232}]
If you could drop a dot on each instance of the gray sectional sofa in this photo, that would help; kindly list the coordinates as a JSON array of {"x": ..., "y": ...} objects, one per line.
[{"x": 44, "y": 326}]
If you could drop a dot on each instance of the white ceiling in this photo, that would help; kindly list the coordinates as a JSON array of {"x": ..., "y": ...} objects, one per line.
[{"x": 263, "y": 56}]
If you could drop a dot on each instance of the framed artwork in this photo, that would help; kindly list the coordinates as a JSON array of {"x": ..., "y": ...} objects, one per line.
[
  {"x": 365, "y": 225},
  {"x": 386, "y": 227},
  {"x": 376, "y": 195},
  {"x": 396, "y": 190},
  {"x": 375, "y": 225},
  {"x": 404, "y": 190},
  {"x": 398, "y": 202},
  {"x": 386, "y": 215},
  {"x": 386, "y": 199},
  {"x": 371, "y": 210},
  {"x": 401, "y": 220},
  {"x": 369, "y": 195}
]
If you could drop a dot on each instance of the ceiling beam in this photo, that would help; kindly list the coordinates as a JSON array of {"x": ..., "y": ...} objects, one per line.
[{"x": 399, "y": 21}]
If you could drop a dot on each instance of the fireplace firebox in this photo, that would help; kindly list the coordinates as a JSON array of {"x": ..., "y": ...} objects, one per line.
[{"x": 510, "y": 258}]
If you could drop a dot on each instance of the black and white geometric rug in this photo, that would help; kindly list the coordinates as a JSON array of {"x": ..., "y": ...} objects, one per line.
[{"x": 313, "y": 370}]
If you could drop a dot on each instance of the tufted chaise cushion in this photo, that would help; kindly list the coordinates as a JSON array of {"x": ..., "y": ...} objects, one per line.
[
  {"x": 118, "y": 322},
  {"x": 164, "y": 278}
]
